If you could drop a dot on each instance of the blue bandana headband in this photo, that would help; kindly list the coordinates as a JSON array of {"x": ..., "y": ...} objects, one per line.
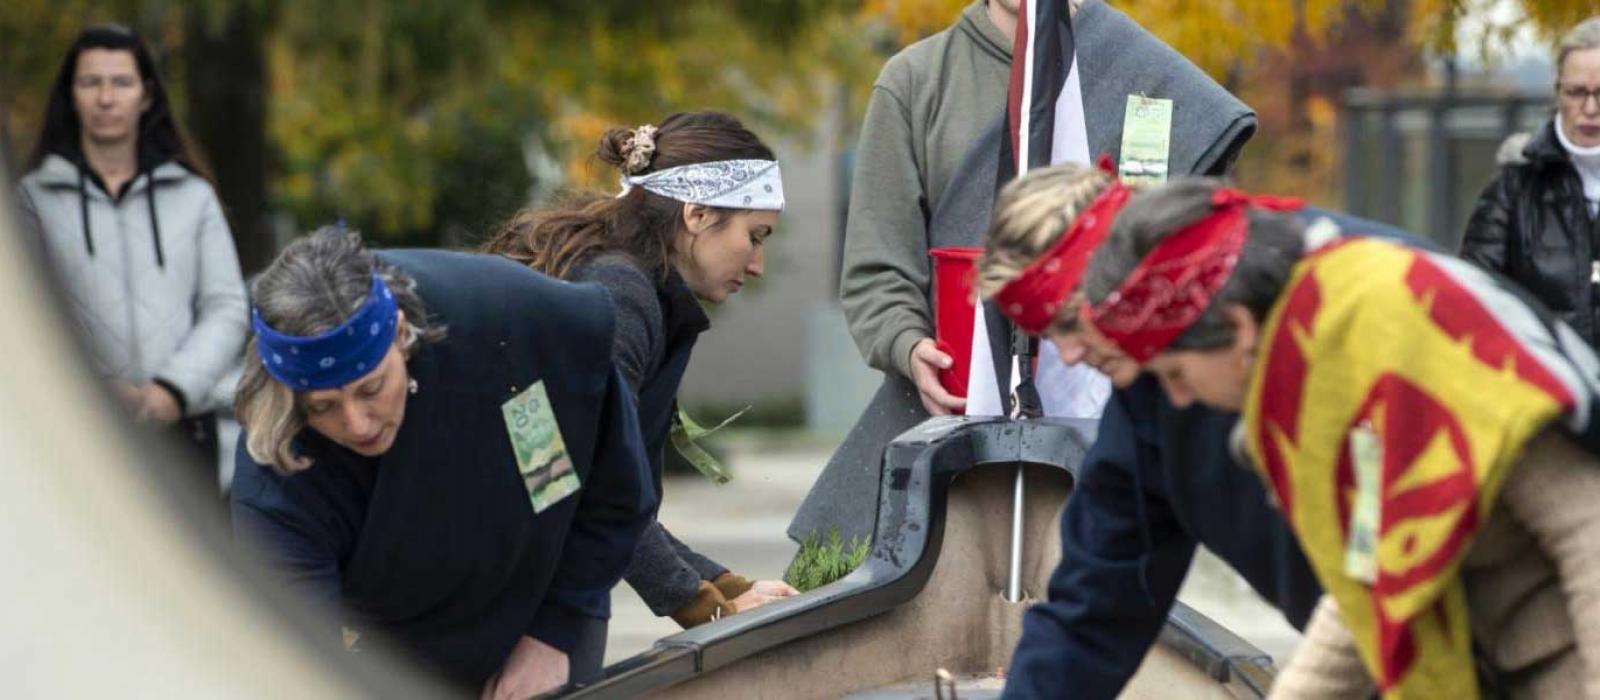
[{"x": 337, "y": 357}]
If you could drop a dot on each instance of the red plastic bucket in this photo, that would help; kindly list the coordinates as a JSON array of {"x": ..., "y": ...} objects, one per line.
[{"x": 954, "y": 270}]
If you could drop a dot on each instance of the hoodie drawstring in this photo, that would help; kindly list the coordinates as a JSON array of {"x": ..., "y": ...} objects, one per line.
[
  {"x": 83, "y": 208},
  {"x": 155, "y": 225},
  {"x": 150, "y": 199}
]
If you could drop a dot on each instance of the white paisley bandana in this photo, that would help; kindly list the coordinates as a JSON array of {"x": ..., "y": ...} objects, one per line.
[{"x": 728, "y": 184}]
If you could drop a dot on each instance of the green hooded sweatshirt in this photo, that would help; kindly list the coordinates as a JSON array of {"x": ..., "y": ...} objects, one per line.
[{"x": 928, "y": 107}]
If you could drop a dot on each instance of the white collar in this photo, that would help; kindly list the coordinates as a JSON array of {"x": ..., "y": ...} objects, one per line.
[
  {"x": 1590, "y": 153},
  {"x": 1585, "y": 160}
]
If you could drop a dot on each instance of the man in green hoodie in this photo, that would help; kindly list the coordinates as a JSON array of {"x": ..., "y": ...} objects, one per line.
[
  {"x": 928, "y": 107},
  {"x": 925, "y": 177}
]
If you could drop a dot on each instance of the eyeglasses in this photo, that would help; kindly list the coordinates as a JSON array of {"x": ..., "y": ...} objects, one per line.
[{"x": 1578, "y": 94}]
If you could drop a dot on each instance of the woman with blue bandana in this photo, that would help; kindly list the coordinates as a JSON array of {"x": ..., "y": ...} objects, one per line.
[
  {"x": 700, "y": 195},
  {"x": 421, "y": 458}
]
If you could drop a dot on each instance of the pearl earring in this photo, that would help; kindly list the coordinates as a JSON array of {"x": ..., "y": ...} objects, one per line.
[{"x": 411, "y": 385}]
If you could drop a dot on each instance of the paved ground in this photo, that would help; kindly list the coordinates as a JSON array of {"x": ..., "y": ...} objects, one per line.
[{"x": 742, "y": 526}]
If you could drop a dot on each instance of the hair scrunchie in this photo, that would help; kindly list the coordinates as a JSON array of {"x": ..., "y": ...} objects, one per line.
[{"x": 639, "y": 149}]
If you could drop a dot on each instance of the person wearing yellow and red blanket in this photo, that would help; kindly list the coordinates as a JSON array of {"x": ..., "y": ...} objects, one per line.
[{"x": 1427, "y": 433}]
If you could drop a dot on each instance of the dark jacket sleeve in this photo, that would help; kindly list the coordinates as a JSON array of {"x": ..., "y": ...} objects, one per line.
[
  {"x": 708, "y": 569},
  {"x": 660, "y": 574},
  {"x": 616, "y": 504},
  {"x": 1490, "y": 239},
  {"x": 284, "y": 538},
  {"x": 1123, "y": 556},
  {"x": 665, "y": 573}
]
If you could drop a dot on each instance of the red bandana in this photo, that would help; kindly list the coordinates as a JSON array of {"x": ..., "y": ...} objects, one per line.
[
  {"x": 1172, "y": 287},
  {"x": 1033, "y": 298}
]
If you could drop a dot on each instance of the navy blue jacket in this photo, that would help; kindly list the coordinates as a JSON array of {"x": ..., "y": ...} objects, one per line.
[
  {"x": 435, "y": 543},
  {"x": 1158, "y": 481}
]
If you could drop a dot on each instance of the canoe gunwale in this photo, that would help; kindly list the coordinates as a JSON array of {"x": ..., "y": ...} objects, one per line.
[{"x": 917, "y": 470}]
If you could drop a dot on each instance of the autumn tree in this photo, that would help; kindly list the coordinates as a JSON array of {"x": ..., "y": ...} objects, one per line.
[
  {"x": 1293, "y": 59},
  {"x": 413, "y": 121}
]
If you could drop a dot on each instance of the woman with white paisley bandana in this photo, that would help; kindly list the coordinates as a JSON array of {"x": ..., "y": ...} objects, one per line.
[{"x": 699, "y": 196}]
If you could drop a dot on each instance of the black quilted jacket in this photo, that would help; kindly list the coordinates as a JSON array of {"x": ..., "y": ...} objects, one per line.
[{"x": 1533, "y": 226}]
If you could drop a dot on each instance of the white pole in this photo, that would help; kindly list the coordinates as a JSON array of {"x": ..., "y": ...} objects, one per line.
[
  {"x": 1014, "y": 577},
  {"x": 1019, "y": 489}
]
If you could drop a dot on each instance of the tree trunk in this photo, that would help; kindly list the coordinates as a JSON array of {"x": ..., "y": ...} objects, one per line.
[
  {"x": 9, "y": 167},
  {"x": 1299, "y": 118},
  {"x": 227, "y": 93}
]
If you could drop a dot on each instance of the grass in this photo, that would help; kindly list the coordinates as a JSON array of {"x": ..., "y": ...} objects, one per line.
[{"x": 822, "y": 561}]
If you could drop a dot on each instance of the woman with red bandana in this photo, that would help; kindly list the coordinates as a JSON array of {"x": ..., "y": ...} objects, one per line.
[
  {"x": 1159, "y": 480},
  {"x": 1427, "y": 433}
]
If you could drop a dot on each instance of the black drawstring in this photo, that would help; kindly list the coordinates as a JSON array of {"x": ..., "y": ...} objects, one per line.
[
  {"x": 83, "y": 207},
  {"x": 155, "y": 226},
  {"x": 149, "y": 197}
]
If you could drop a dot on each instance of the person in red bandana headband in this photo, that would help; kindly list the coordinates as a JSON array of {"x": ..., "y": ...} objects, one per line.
[
  {"x": 1426, "y": 431},
  {"x": 1046, "y": 226},
  {"x": 1157, "y": 483}
]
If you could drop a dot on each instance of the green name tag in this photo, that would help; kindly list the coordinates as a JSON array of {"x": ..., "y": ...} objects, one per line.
[
  {"x": 1361, "y": 548},
  {"x": 542, "y": 458},
  {"x": 1146, "y": 140}
]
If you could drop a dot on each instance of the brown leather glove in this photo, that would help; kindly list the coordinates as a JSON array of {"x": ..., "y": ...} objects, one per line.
[
  {"x": 708, "y": 604},
  {"x": 732, "y": 585}
]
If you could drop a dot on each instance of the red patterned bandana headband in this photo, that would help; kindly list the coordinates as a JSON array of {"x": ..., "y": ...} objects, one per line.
[
  {"x": 1172, "y": 287},
  {"x": 1032, "y": 299}
]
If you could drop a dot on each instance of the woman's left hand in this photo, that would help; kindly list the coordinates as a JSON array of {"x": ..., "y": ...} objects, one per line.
[{"x": 533, "y": 668}]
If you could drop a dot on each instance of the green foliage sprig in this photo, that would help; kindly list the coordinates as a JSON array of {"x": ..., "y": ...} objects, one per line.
[{"x": 822, "y": 561}]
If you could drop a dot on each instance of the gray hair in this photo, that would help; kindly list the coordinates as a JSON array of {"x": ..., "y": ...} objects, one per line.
[
  {"x": 1276, "y": 242},
  {"x": 1583, "y": 37},
  {"x": 316, "y": 283}
]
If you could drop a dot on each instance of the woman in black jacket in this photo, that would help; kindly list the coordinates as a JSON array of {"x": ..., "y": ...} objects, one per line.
[
  {"x": 432, "y": 451},
  {"x": 1538, "y": 223},
  {"x": 700, "y": 195}
]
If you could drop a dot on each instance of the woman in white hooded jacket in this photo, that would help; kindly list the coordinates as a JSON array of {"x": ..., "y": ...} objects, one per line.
[{"x": 133, "y": 230}]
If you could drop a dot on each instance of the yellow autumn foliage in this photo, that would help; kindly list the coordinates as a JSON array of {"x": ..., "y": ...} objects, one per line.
[
  {"x": 1219, "y": 34},
  {"x": 366, "y": 99}
]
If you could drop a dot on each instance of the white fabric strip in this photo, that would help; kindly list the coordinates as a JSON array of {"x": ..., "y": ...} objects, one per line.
[
  {"x": 1025, "y": 127},
  {"x": 1066, "y": 392},
  {"x": 983, "y": 385},
  {"x": 728, "y": 184},
  {"x": 1079, "y": 391},
  {"x": 1587, "y": 163}
]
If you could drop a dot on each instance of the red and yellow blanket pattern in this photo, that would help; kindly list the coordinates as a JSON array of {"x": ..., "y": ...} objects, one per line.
[{"x": 1422, "y": 354}]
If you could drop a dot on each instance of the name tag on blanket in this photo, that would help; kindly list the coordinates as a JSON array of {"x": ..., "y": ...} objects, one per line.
[
  {"x": 1366, "y": 511},
  {"x": 1146, "y": 140},
  {"x": 542, "y": 457}
]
